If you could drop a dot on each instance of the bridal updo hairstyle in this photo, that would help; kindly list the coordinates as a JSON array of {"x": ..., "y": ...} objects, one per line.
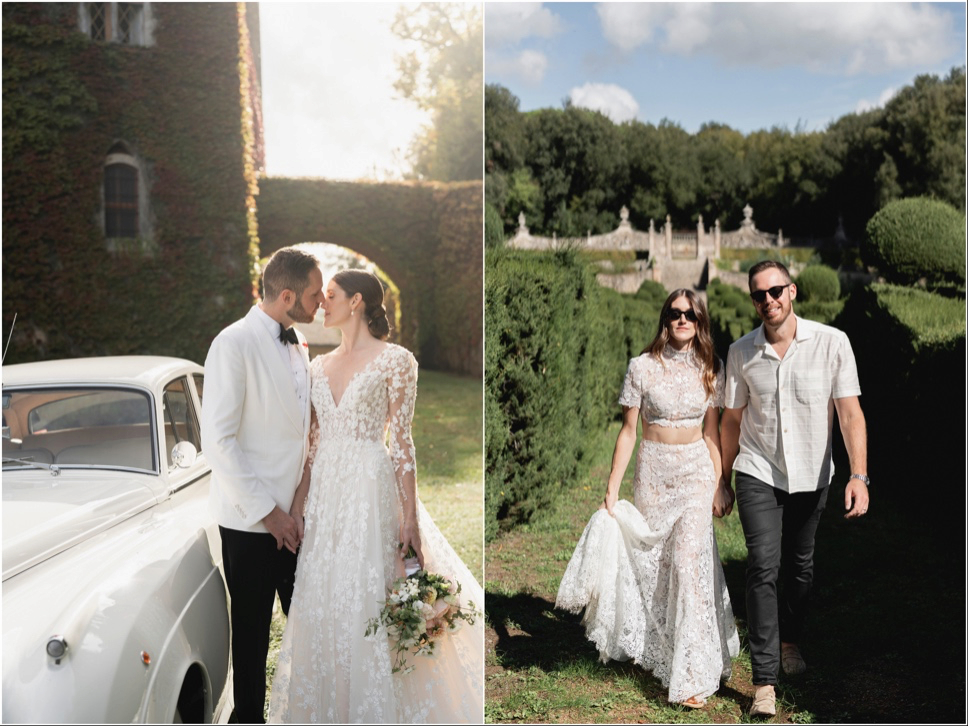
[
  {"x": 370, "y": 287},
  {"x": 702, "y": 344}
]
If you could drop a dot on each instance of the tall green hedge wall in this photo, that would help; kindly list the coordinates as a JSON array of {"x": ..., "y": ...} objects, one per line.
[
  {"x": 910, "y": 350},
  {"x": 426, "y": 236},
  {"x": 557, "y": 346},
  {"x": 183, "y": 106}
]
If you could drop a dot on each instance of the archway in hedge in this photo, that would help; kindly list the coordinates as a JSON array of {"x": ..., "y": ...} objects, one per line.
[{"x": 428, "y": 238}]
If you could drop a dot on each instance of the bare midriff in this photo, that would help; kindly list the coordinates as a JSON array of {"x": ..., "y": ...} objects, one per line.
[{"x": 670, "y": 434}]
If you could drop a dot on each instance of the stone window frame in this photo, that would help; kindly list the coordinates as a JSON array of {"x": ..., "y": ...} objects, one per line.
[{"x": 117, "y": 22}]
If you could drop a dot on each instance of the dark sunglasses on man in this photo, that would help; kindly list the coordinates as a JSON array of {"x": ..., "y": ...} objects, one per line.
[{"x": 759, "y": 296}]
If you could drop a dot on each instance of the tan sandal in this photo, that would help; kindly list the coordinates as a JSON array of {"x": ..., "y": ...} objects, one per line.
[
  {"x": 764, "y": 702},
  {"x": 791, "y": 661},
  {"x": 692, "y": 702}
]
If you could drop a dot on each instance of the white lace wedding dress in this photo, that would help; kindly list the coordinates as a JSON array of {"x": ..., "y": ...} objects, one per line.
[
  {"x": 649, "y": 579},
  {"x": 328, "y": 672}
]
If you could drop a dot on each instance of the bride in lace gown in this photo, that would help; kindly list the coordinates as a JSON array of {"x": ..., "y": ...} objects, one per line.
[
  {"x": 359, "y": 500},
  {"x": 648, "y": 576}
]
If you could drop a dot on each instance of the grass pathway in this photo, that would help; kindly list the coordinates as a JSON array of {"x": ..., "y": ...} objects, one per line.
[{"x": 885, "y": 642}]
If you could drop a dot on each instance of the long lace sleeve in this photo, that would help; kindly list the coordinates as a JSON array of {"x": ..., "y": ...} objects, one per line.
[{"x": 402, "y": 395}]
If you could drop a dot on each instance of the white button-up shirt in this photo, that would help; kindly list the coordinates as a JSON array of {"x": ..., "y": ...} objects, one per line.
[
  {"x": 291, "y": 357},
  {"x": 786, "y": 430}
]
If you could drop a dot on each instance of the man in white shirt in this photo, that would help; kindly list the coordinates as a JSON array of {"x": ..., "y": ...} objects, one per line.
[
  {"x": 783, "y": 382},
  {"x": 255, "y": 426}
]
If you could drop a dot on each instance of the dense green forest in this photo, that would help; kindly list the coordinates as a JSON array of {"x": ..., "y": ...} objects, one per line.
[{"x": 570, "y": 170}]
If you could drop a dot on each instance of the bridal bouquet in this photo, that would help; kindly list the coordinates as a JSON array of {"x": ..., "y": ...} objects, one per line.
[{"x": 421, "y": 608}]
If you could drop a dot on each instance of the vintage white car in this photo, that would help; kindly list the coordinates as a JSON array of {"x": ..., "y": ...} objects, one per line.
[{"x": 114, "y": 607}]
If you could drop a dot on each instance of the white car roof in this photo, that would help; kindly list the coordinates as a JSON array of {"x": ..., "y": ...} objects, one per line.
[{"x": 147, "y": 371}]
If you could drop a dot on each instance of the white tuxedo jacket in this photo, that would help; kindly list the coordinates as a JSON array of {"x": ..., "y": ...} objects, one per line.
[{"x": 254, "y": 432}]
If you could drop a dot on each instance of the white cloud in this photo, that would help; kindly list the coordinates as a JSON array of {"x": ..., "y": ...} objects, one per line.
[
  {"x": 528, "y": 65},
  {"x": 614, "y": 101},
  {"x": 864, "y": 105},
  {"x": 846, "y": 37},
  {"x": 510, "y": 23}
]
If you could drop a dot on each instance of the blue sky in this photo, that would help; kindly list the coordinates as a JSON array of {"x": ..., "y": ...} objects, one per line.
[{"x": 749, "y": 65}]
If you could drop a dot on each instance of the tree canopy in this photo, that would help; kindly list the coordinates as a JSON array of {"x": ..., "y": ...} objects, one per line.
[
  {"x": 445, "y": 77},
  {"x": 570, "y": 170}
]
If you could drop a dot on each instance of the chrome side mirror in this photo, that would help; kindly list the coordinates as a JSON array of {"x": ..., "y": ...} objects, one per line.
[{"x": 183, "y": 454}]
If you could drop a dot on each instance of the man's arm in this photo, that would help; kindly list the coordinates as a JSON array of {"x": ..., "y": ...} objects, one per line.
[
  {"x": 853, "y": 427},
  {"x": 221, "y": 420},
  {"x": 729, "y": 440}
]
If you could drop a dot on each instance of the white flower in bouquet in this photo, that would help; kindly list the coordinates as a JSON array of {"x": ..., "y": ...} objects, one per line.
[{"x": 419, "y": 609}]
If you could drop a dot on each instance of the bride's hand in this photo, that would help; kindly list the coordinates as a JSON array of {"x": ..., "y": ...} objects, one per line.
[
  {"x": 410, "y": 537},
  {"x": 609, "y": 503}
]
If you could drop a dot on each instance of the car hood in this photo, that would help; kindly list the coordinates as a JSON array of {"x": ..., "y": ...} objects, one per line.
[{"x": 44, "y": 515}]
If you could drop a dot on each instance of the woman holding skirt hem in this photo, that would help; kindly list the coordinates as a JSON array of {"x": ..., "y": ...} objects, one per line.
[{"x": 648, "y": 576}]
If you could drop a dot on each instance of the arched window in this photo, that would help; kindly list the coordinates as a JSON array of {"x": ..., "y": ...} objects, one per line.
[
  {"x": 125, "y": 203},
  {"x": 127, "y": 23},
  {"x": 120, "y": 200}
]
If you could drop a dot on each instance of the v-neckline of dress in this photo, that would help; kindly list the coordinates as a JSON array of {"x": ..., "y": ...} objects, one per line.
[{"x": 349, "y": 383}]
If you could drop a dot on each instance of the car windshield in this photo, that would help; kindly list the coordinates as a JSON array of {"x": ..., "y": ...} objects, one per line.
[{"x": 77, "y": 427}]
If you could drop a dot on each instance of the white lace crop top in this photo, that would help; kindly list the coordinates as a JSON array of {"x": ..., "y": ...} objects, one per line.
[{"x": 670, "y": 392}]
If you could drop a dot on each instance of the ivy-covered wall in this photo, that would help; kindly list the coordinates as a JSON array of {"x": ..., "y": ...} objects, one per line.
[
  {"x": 187, "y": 108},
  {"x": 427, "y": 237}
]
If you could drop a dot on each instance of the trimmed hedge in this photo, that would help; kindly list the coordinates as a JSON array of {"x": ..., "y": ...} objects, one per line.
[
  {"x": 818, "y": 283},
  {"x": 917, "y": 238},
  {"x": 731, "y": 314},
  {"x": 493, "y": 227},
  {"x": 557, "y": 346},
  {"x": 910, "y": 350}
]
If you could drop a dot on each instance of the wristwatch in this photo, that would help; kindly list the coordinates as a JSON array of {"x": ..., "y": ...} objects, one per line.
[{"x": 863, "y": 477}]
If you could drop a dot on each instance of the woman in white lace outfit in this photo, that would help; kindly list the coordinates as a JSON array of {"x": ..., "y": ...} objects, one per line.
[
  {"x": 357, "y": 503},
  {"x": 649, "y": 576}
]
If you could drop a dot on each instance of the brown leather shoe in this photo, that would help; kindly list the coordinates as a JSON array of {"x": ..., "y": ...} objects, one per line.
[{"x": 790, "y": 659}]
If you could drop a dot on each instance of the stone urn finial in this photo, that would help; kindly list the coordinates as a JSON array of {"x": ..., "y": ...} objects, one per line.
[
  {"x": 624, "y": 214},
  {"x": 521, "y": 221}
]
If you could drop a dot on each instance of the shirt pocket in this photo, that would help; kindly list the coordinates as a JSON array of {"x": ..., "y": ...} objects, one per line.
[{"x": 811, "y": 387}]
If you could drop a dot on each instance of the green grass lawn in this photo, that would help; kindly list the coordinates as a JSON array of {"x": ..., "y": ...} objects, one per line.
[
  {"x": 885, "y": 642},
  {"x": 448, "y": 436}
]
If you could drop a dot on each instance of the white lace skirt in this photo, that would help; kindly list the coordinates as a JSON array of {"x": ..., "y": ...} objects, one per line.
[
  {"x": 328, "y": 672},
  {"x": 650, "y": 580}
]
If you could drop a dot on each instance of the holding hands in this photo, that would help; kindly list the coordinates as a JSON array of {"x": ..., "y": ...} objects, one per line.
[
  {"x": 723, "y": 499},
  {"x": 285, "y": 529}
]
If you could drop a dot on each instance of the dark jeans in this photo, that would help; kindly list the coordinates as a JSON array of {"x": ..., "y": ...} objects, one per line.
[
  {"x": 779, "y": 529},
  {"x": 254, "y": 572}
]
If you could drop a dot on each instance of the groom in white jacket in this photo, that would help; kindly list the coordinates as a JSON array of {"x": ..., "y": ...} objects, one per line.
[{"x": 255, "y": 426}]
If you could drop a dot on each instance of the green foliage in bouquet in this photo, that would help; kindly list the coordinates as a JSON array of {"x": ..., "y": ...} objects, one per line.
[{"x": 420, "y": 609}]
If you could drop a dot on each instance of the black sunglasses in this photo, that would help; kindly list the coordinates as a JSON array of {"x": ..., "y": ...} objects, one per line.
[
  {"x": 673, "y": 315},
  {"x": 760, "y": 295}
]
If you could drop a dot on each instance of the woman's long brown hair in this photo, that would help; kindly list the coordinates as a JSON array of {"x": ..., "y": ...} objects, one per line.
[{"x": 702, "y": 344}]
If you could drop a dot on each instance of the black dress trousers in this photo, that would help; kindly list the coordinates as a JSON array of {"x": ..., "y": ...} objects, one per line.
[{"x": 255, "y": 570}]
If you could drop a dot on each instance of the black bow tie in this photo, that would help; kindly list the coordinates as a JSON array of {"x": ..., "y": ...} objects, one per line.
[{"x": 287, "y": 335}]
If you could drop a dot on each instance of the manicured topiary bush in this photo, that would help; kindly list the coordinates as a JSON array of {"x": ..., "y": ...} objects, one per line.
[
  {"x": 919, "y": 238},
  {"x": 818, "y": 283}
]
